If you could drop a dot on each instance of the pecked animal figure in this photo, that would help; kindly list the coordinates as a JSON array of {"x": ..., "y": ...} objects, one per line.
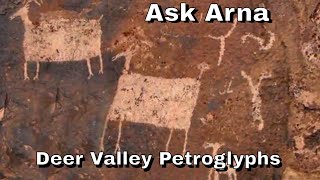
[{"x": 59, "y": 39}]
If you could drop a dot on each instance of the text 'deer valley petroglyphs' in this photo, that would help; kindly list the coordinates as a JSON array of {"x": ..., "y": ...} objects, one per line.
[
  {"x": 231, "y": 173},
  {"x": 58, "y": 39},
  {"x": 169, "y": 104},
  {"x": 256, "y": 98}
]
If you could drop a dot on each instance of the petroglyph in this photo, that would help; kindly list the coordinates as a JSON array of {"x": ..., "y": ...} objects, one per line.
[
  {"x": 263, "y": 45},
  {"x": 215, "y": 147},
  {"x": 135, "y": 44},
  {"x": 170, "y": 104},
  {"x": 231, "y": 173},
  {"x": 127, "y": 54},
  {"x": 222, "y": 40},
  {"x": 256, "y": 98},
  {"x": 2, "y": 110},
  {"x": 58, "y": 39},
  {"x": 227, "y": 88},
  {"x": 207, "y": 119},
  {"x": 203, "y": 67}
]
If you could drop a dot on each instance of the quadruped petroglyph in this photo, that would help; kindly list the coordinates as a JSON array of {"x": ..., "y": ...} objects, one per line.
[
  {"x": 58, "y": 39},
  {"x": 171, "y": 106},
  {"x": 138, "y": 100},
  {"x": 231, "y": 173}
]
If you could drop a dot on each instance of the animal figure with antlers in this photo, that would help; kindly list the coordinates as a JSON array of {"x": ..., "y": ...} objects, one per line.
[
  {"x": 231, "y": 173},
  {"x": 59, "y": 39}
]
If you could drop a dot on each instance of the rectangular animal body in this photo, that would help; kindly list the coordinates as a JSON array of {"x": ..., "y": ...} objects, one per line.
[
  {"x": 63, "y": 40},
  {"x": 158, "y": 101}
]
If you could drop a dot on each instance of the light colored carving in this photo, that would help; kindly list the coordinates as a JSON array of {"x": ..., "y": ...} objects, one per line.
[
  {"x": 59, "y": 39},
  {"x": 263, "y": 45},
  {"x": 231, "y": 173},
  {"x": 164, "y": 103},
  {"x": 2, "y": 111},
  {"x": 135, "y": 43},
  {"x": 209, "y": 118},
  {"x": 127, "y": 54},
  {"x": 222, "y": 40},
  {"x": 256, "y": 98},
  {"x": 227, "y": 88},
  {"x": 203, "y": 67}
]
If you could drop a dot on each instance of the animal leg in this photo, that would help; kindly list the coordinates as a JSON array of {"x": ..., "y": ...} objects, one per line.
[
  {"x": 36, "y": 77},
  {"x": 101, "y": 147},
  {"x": 119, "y": 137},
  {"x": 222, "y": 50},
  {"x": 210, "y": 174},
  {"x": 101, "y": 64},
  {"x": 235, "y": 175},
  {"x": 185, "y": 141},
  {"x": 169, "y": 139},
  {"x": 89, "y": 68},
  {"x": 232, "y": 176},
  {"x": 216, "y": 175},
  {"x": 26, "y": 77}
]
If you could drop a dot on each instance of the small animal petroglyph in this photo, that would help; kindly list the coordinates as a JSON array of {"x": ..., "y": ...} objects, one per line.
[
  {"x": 222, "y": 40},
  {"x": 263, "y": 45},
  {"x": 256, "y": 98},
  {"x": 58, "y": 39},
  {"x": 203, "y": 67},
  {"x": 209, "y": 118},
  {"x": 169, "y": 104},
  {"x": 231, "y": 173}
]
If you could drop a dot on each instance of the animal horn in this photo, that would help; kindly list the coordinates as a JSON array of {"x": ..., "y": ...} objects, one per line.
[{"x": 38, "y": 2}]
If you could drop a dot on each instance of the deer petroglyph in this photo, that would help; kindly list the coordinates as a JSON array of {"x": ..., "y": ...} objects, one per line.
[
  {"x": 222, "y": 40},
  {"x": 256, "y": 98},
  {"x": 231, "y": 173},
  {"x": 169, "y": 104},
  {"x": 58, "y": 39},
  {"x": 263, "y": 45}
]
